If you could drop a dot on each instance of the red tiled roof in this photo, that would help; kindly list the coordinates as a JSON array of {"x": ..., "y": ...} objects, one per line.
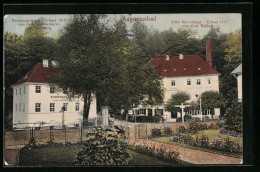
[
  {"x": 38, "y": 74},
  {"x": 190, "y": 65}
]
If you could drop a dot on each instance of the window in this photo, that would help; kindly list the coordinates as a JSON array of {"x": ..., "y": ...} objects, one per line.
[
  {"x": 37, "y": 107},
  {"x": 142, "y": 111},
  {"x": 197, "y": 95},
  {"x": 20, "y": 106},
  {"x": 37, "y": 89},
  {"x": 77, "y": 107},
  {"x": 209, "y": 81},
  {"x": 158, "y": 111},
  {"x": 52, "y": 107},
  {"x": 23, "y": 107},
  {"x": 198, "y": 81},
  {"x": 15, "y": 91},
  {"x": 24, "y": 89},
  {"x": 16, "y": 107},
  {"x": 173, "y": 82},
  {"x": 52, "y": 89},
  {"x": 188, "y": 82},
  {"x": 65, "y": 105},
  {"x": 20, "y": 91}
]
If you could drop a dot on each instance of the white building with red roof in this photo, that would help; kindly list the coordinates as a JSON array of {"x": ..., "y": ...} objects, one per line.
[
  {"x": 37, "y": 103},
  {"x": 187, "y": 73}
]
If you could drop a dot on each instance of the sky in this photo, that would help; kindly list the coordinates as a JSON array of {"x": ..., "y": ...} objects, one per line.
[{"x": 227, "y": 22}]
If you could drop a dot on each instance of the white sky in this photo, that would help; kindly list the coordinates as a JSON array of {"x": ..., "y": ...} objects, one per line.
[{"x": 227, "y": 22}]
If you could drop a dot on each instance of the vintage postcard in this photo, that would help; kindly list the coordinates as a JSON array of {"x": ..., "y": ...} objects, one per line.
[{"x": 123, "y": 89}]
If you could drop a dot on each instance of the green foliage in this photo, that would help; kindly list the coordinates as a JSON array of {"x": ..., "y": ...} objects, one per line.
[
  {"x": 151, "y": 119},
  {"x": 211, "y": 100},
  {"x": 9, "y": 121},
  {"x": 233, "y": 118},
  {"x": 103, "y": 148},
  {"x": 176, "y": 99}
]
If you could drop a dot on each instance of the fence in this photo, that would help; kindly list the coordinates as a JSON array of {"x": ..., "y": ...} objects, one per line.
[{"x": 144, "y": 130}]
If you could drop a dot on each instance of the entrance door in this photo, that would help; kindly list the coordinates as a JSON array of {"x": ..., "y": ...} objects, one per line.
[{"x": 150, "y": 112}]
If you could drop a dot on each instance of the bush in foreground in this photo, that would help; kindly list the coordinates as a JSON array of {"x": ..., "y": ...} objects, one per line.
[{"x": 103, "y": 147}]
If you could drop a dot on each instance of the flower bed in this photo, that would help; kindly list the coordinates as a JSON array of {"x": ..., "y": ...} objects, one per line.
[
  {"x": 203, "y": 141},
  {"x": 170, "y": 156},
  {"x": 230, "y": 133}
]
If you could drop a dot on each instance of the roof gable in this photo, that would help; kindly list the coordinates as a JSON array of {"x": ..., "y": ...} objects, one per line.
[
  {"x": 38, "y": 74},
  {"x": 190, "y": 65}
]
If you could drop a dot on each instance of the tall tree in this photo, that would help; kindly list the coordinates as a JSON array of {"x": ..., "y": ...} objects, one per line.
[{"x": 15, "y": 63}]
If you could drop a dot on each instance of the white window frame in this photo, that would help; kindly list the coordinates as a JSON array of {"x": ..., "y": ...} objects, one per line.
[
  {"x": 198, "y": 82},
  {"x": 141, "y": 111},
  {"x": 173, "y": 83},
  {"x": 37, "y": 107},
  {"x": 77, "y": 107},
  {"x": 188, "y": 81},
  {"x": 37, "y": 89},
  {"x": 52, "y": 107},
  {"x": 65, "y": 105}
]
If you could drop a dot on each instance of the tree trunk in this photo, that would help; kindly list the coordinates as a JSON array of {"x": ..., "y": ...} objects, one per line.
[{"x": 86, "y": 108}]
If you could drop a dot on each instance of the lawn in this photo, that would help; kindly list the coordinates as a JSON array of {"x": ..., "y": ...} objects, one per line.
[
  {"x": 64, "y": 156},
  {"x": 212, "y": 134}
]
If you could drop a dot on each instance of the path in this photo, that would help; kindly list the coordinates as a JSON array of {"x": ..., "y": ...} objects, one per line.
[{"x": 194, "y": 156}]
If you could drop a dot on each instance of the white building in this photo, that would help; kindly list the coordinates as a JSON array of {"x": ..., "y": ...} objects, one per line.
[
  {"x": 37, "y": 103},
  {"x": 186, "y": 73},
  {"x": 237, "y": 73}
]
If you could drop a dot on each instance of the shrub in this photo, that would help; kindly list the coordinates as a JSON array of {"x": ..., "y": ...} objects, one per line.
[
  {"x": 151, "y": 119},
  {"x": 193, "y": 127},
  {"x": 181, "y": 129},
  {"x": 179, "y": 119},
  {"x": 156, "y": 132},
  {"x": 233, "y": 118},
  {"x": 102, "y": 147},
  {"x": 187, "y": 117},
  {"x": 168, "y": 131}
]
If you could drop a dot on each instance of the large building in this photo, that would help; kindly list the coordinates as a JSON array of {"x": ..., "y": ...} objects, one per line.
[
  {"x": 37, "y": 103},
  {"x": 186, "y": 73}
]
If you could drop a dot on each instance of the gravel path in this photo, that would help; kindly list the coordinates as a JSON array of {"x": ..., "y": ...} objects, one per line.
[{"x": 194, "y": 156}]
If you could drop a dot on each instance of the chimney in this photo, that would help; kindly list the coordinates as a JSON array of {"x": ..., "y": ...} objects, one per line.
[
  {"x": 167, "y": 57},
  {"x": 208, "y": 52},
  {"x": 45, "y": 62},
  {"x": 181, "y": 56}
]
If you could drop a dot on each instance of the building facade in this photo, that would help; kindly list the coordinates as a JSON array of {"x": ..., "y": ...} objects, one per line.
[
  {"x": 37, "y": 103},
  {"x": 237, "y": 73},
  {"x": 183, "y": 73}
]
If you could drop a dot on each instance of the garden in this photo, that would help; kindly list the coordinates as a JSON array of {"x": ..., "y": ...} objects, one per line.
[
  {"x": 210, "y": 138},
  {"x": 102, "y": 147}
]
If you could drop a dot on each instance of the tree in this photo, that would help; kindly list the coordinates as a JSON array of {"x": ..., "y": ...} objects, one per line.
[
  {"x": 137, "y": 77},
  {"x": 233, "y": 57},
  {"x": 176, "y": 99},
  {"x": 233, "y": 50},
  {"x": 233, "y": 117},
  {"x": 211, "y": 100}
]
